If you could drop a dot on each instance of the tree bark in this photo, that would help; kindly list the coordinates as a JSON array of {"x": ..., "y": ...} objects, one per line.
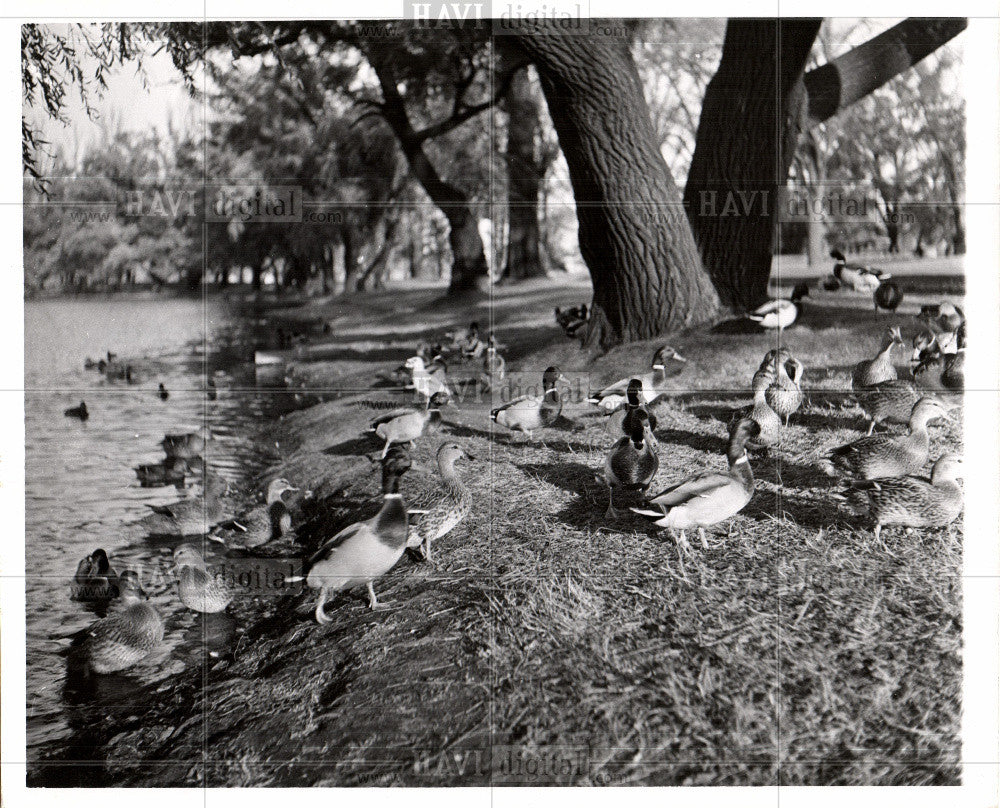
[
  {"x": 634, "y": 238},
  {"x": 350, "y": 264},
  {"x": 525, "y": 174},
  {"x": 750, "y": 123}
]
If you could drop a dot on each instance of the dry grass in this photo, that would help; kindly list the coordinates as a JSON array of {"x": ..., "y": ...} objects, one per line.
[{"x": 550, "y": 647}]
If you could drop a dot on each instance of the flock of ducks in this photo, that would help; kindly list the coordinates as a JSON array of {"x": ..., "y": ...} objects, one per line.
[
  {"x": 421, "y": 506},
  {"x": 114, "y": 370}
]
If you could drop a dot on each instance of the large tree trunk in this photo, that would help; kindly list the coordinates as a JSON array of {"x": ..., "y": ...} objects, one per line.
[
  {"x": 634, "y": 237},
  {"x": 351, "y": 270},
  {"x": 750, "y": 123},
  {"x": 525, "y": 174}
]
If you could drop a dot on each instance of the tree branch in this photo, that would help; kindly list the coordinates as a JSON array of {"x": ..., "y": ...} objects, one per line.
[{"x": 853, "y": 75}]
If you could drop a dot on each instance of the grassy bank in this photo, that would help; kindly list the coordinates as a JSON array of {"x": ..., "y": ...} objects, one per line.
[{"x": 548, "y": 646}]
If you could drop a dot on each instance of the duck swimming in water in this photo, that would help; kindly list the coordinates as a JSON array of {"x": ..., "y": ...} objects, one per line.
[
  {"x": 78, "y": 412},
  {"x": 95, "y": 580},
  {"x": 199, "y": 590},
  {"x": 131, "y": 631}
]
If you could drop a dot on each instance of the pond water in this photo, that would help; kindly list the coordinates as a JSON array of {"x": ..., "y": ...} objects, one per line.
[{"x": 81, "y": 487}]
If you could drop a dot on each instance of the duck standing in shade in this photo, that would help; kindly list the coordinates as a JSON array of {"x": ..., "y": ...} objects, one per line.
[
  {"x": 95, "y": 581},
  {"x": 880, "y": 456},
  {"x": 784, "y": 394},
  {"x": 531, "y": 412},
  {"x": 916, "y": 501},
  {"x": 131, "y": 632},
  {"x": 760, "y": 413},
  {"x": 365, "y": 550},
  {"x": 406, "y": 424},
  {"x": 199, "y": 590},
  {"x": 881, "y": 367},
  {"x": 707, "y": 499},
  {"x": 778, "y": 312},
  {"x": 666, "y": 364},
  {"x": 265, "y": 523},
  {"x": 78, "y": 412},
  {"x": 632, "y": 462},
  {"x": 436, "y": 509}
]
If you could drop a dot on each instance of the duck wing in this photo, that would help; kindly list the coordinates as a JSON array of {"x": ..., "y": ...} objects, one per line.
[
  {"x": 522, "y": 401},
  {"x": 689, "y": 489},
  {"x": 334, "y": 542},
  {"x": 391, "y": 415}
]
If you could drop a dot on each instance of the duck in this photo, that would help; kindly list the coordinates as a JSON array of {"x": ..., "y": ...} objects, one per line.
[
  {"x": 80, "y": 412},
  {"x": 437, "y": 509},
  {"x": 424, "y": 381},
  {"x": 830, "y": 283},
  {"x": 778, "y": 312},
  {"x": 784, "y": 394},
  {"x": 858, "y": 277},
  {"x": 531, "y": 412},
  {"x": 887, "y": 296},
  {"x": 406, "y": 424},
  {"x": 914, "y": 501},
  {"x": 942, "y": 317},
  {"x": 184, "y": 445},
  {"x": 924, "y": 345},
  {"x": 761, "y": 413},
  {"x": 632, "y": 461},
  {"x": 472, "y": 346},
  {"x": 879, "y": 456},
  {"x": 168, "y": 472},
  {"x": 890, "y": 401},
  {"x": 162, "y": 392},
  {"x": 707, "y": 499},
  {"x": 95, "y": 580},
  {"x": 211, "y": 391},
  {"x": 881, "y": 367},
  {"x": 265, "y": 523},
  {"x": 767, "y": 372},
  {"x": 198, "y": 589},
  {"x": 494, "y": 367},
  {"x": 666, "y": 364},
  {"x": 571, "y": 320},
  {"x": 194, "y": 516},
  {"x": 364, "y": 551},
  {"x": 132, "y": 630},
  {"x": 941, "y": 372},
  {"x": 623, "y": 419}
]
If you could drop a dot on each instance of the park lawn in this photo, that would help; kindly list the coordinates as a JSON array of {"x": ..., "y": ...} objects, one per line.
[{"x": 547, "y": 646}]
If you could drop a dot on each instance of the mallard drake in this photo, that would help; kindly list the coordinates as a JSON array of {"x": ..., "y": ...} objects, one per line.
[
  {"x": 265, "y": 523},
  {"x": 916, "y": 501},
  {"x": 858, "y": 277},
  {"x": 622, "y": 419},
  {"x": 185, "y": 445},
  {"x": 879, "y": 456},
  {"x": 707, "y": 499},
  {"x": 424, "y": 381},
  {"x": 778, "y": 312},
  {"x": 531, "y": 412},
  {"x": 941, "y": 318},
  {"x": 436, "y": 509},
  {"x": 190, "y": 517},
  {"x": 406, "y": 424},
  {"x": 571, "y": 320},
  {"x": 95, "y": 580},
  {"x": 891, "y": 401},
  {"x": 168, "y": 472},
  {"x": 666, "y": 364},
  {"x": 199, "y": 590},
  {"x": 760, "y": 413},
  {"x": 924, "y": 345},
  {"x": 131, "y": 632},
  {"x": 887, "y": 296},
  {"x": 632, "y": 462},
  {"x": 880, "y": 368},
  {"x": 784, "y": 394},
  {"x": 80, "y": 412},
  {"x": 367, "y": 550}
]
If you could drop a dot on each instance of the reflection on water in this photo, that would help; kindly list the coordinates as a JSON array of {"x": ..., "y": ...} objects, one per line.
[{"x": 82, "y": 488}]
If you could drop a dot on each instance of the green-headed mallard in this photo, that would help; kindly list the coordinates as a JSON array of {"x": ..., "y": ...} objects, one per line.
[
  {"x": 882, "y": 456},
  {"x": 131, "y": 632},
  {"x": 406, "y": 424},
  {"x": 941, "y": 318},
  {"x": 95, "y": 580},
  {"x": 666, "y": 364},
  {"x": 199, "y": 590},
  {"x": 531, "y": 412},
  {"x": 916, "y": 501},
  {"x": 622, "y": 419},
  {"x": 435, "y": 509},
  {"x": 80, "y": 412},
  {"x": 707, "y": 499},
  {"x": 778, "y": 312},
  {"x": 858, "y": 277},
  {"x": 880, "y": 368},
  {"x": 367, "y": 550},
  {"x": 632, "y": 462},
  {"x": 265, "y": 523},
  {"x": 784, "y": 394},
  {"x": 891, "y": 401}
]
